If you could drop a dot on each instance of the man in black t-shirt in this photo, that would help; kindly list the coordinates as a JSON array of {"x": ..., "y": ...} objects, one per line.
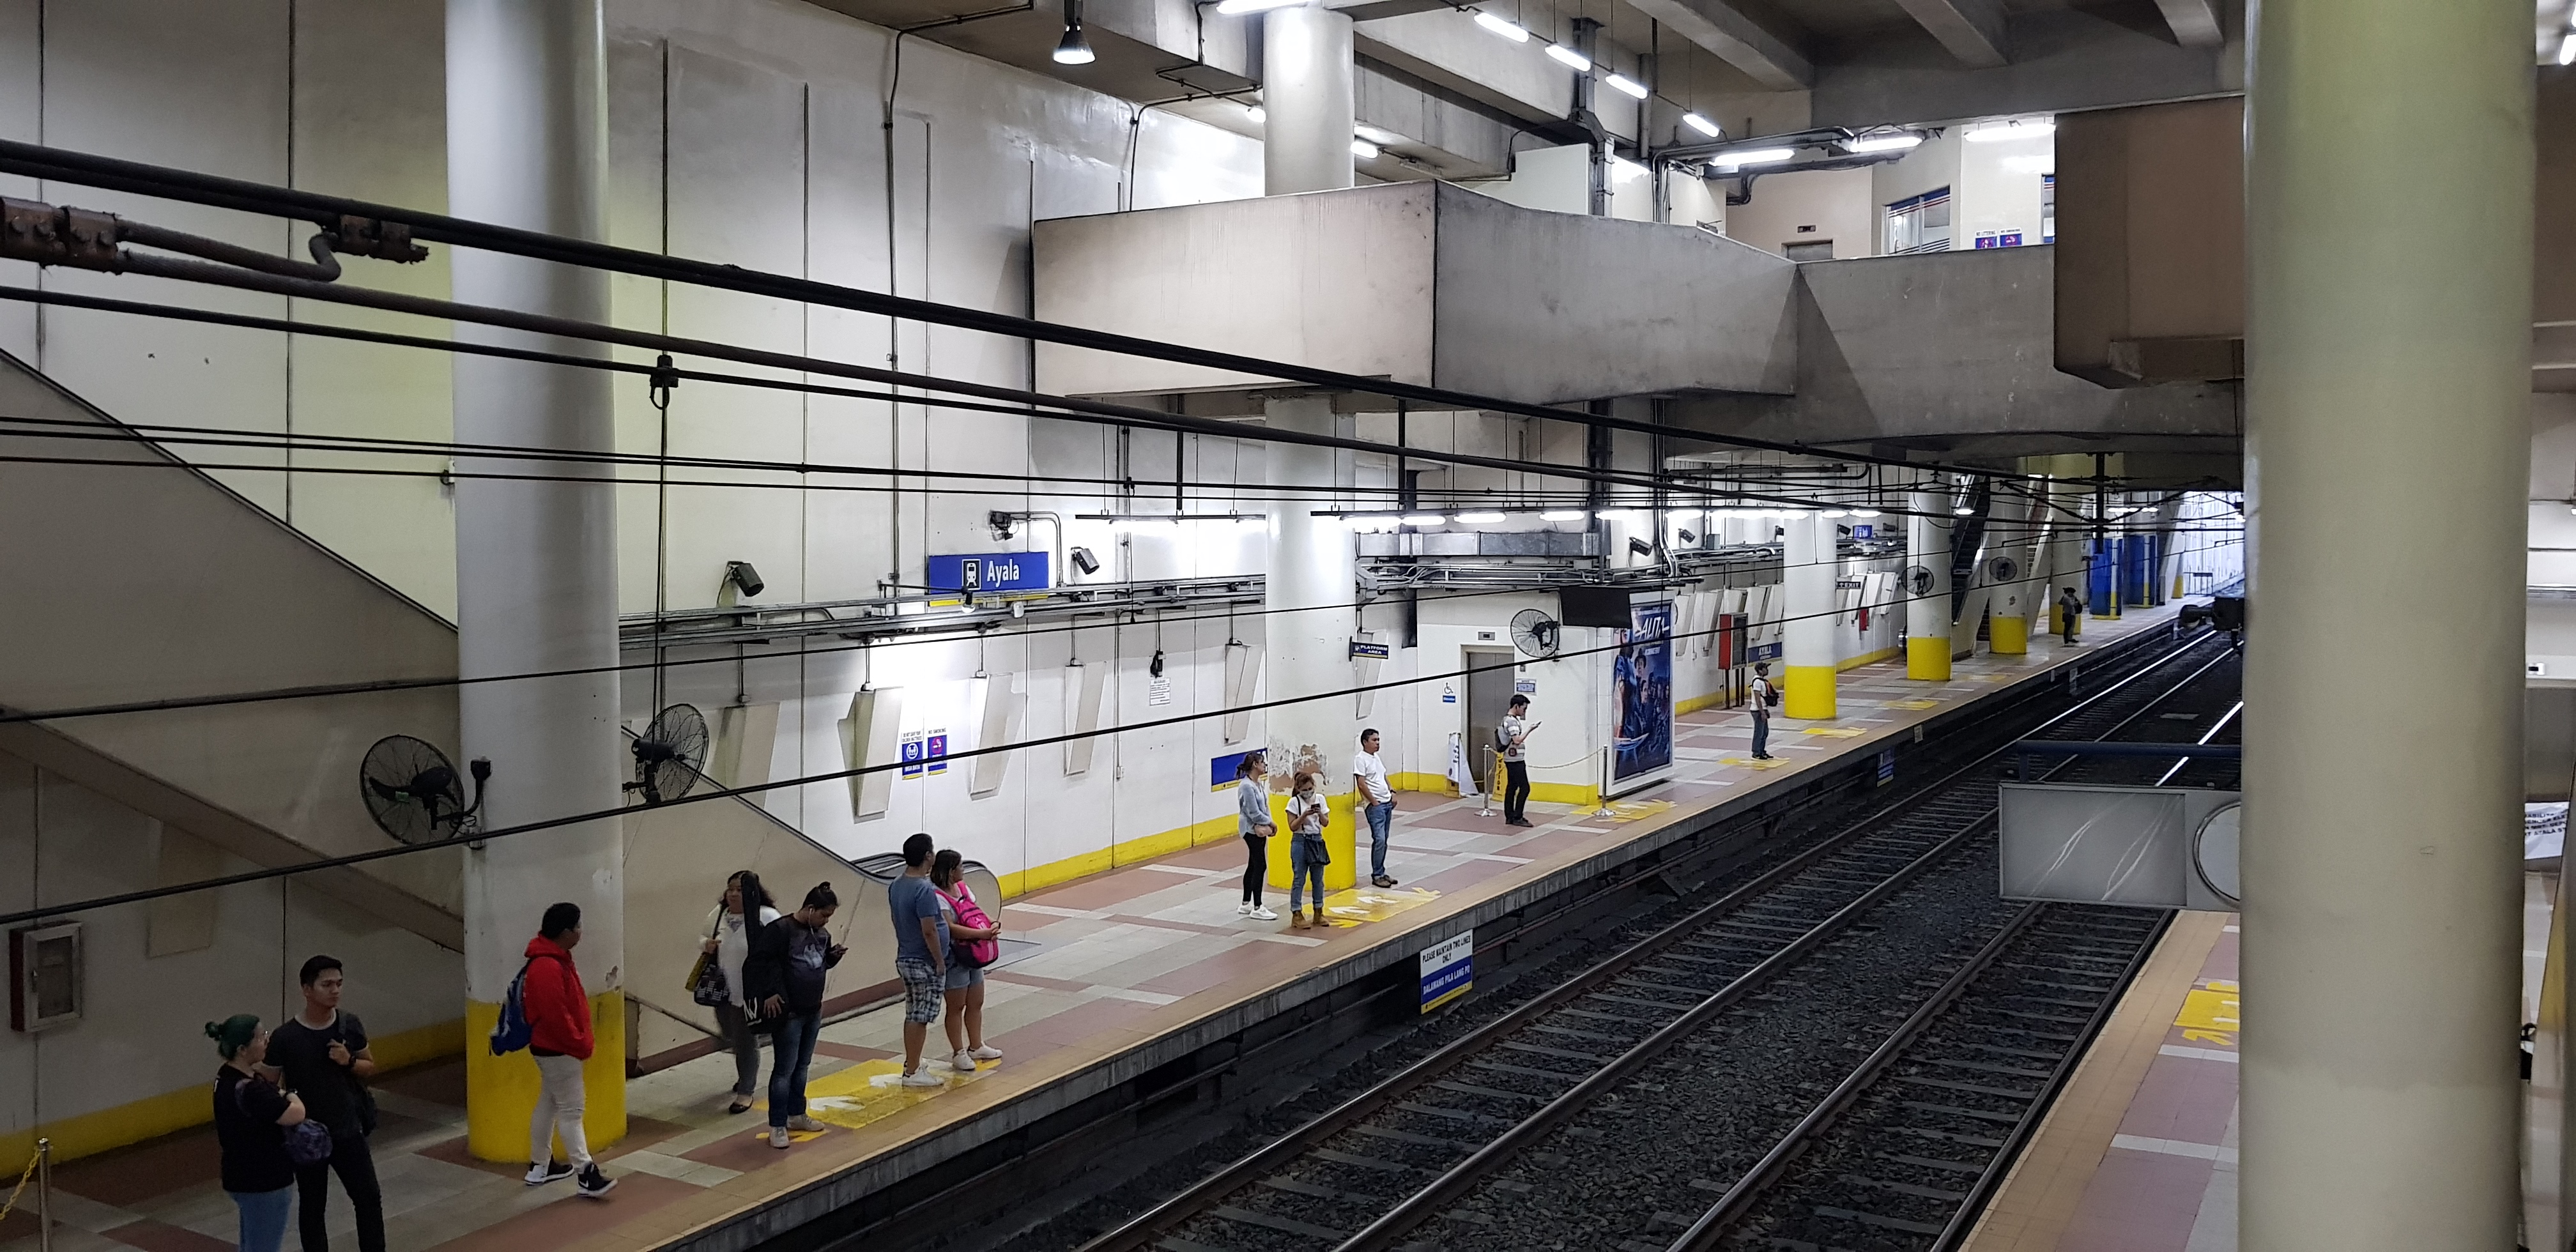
[{"x": 322, "y": 1054}]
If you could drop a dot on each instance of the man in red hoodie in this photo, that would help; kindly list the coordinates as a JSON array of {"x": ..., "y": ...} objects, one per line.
[{"x": 559, "y": 1039}]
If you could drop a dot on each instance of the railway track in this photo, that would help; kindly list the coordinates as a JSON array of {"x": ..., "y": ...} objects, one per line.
[{"x": 1608, "y": 1110}]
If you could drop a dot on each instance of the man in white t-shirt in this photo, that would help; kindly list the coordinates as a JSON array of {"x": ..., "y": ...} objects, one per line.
[{"x": 1369, "y": 785}]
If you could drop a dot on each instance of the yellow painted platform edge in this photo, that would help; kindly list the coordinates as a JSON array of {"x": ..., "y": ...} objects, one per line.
[
  {"x": 2032, "y": 1215},
  {"x": 117, "y": 1126},
  {"x": 1867, "y": 658}
]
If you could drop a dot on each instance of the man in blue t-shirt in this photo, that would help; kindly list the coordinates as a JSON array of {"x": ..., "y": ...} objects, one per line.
[{"x": 920, "y": 953}]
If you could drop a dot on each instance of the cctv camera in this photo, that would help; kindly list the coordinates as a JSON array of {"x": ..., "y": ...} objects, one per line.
[
  {"x": 744, "y": 577},
  {"x": 1084, "y": 561}
]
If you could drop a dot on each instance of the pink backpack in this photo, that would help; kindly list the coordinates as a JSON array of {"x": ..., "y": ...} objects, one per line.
[{"x": 971, "y": 953}]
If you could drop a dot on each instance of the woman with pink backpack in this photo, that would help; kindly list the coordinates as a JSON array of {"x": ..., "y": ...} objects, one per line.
[{"x": 973, "y": 945}]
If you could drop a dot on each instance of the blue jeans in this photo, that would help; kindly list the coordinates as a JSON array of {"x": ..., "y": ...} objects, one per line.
[
  {"x": 1380, "y": 818},
  {"x": 1761, "y": 734},
  {"x": 263, "y": 1217},
  {"x": 792, "y": 1039},
  {"x": 1306, "y": 866}
]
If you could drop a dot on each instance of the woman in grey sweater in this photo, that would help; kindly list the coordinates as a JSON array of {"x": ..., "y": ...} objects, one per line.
[{"x": 1253, "y": 799}]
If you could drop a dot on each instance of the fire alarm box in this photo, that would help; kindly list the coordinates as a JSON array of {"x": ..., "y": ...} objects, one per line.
[{"x": 44, "y": 976}]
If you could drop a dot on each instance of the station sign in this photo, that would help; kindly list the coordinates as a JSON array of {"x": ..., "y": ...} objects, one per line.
[
  {"x": 1368, "y": 651},
  {"x": 1448, "y": 970},
  {"x": 989, "y": 573}
]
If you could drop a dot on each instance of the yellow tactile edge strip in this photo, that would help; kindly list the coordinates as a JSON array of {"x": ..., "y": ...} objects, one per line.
[{"x": 2031, "y": 1211}]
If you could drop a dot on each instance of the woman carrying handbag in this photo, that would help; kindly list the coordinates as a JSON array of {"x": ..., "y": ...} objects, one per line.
[
  {"x": 974, "y": 942},
  {"x": 716, "y": 981}
]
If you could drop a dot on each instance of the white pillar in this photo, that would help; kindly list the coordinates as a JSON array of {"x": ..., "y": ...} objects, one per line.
[
  {"x": 1306, "y": 103},
  {"x": 2383, "y": 782},
  {"x": 2008, "y": 522},
  {"x": 1927, "y": 616},
  {"x": 536, "y": 571},
  {"x": 1809, "y": 665},
  {"x": 1308, "y": 588}
]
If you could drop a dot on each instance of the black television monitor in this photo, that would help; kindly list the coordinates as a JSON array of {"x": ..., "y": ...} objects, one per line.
[{"x": 1594, "y": 606}]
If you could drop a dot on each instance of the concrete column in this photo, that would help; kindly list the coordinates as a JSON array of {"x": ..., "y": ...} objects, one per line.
[
  {"x": 1308, "y": 587},
  {"x": 2008, "y": 608},
  {"x": 536, "y": 571},
  {"x": 2390, "y": 347},
  {"x": 1306, "y": 109},
  {"x": 1807, "y": 633},
  {"x": 1927, "y": 617}
]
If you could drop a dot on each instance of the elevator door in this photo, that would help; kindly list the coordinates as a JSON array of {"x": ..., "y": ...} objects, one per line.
[{"x": 1489, "y": 692}]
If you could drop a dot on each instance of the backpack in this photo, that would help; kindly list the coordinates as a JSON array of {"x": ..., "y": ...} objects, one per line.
[
  {"x": 1770, "y": 693},
  {"x": 971, "y": 953},
  {"x": 1502, "y": 739},
  {"x": 512, "y": 1032}
]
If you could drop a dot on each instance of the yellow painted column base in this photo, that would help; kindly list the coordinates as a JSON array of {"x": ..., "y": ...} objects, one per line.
[
  {"x": 1341, "y": 840},
  {"x": 1927, "y": 658},
  {"x": 2010, "y": 636},
  {"x": 1807, "y": 691},
  {"x": 501, "y": 1091}
]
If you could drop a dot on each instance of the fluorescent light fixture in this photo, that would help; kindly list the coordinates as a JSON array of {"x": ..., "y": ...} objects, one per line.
[
  {"x": 1378, "y": 134},
  {"x": 1833, "y": 515},
  {"x": 1682, "y": 515},
  {"x": 2003, "y": 132},
  {"x": 1754, "y": 156},
  {"x": 1702, "y": 125},
  {"x": 1626, "y": 86},
  {"x": 1479, "y": 519},
  {"x": 1963, "y": 510},
  {"x": 1424, "y": 519},
  {"x": 1502, "y": 26},
  {"x": 1617, "y": 515},
  {"x": 1864, "y": 512},
  {"x": 1569, "y": 58},
  {"x": 1364, "y": 150},
  {"x": 1897, "y": 142},
  {"x": 1576, "y": 515},
  {"x": 1622, "y": 167},
  {"x": 1253, "y": 6},
  {"x": 2567, "y": 49}
]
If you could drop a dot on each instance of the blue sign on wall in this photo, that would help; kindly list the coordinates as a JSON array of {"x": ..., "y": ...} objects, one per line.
[{"x": 983, "y": 574}]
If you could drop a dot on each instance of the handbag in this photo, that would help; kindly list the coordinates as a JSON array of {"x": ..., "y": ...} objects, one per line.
[
  {"x": 706, "y": 978},
  {"x": 307, "y": 1143},
  {"x": 971, "y": 953}
]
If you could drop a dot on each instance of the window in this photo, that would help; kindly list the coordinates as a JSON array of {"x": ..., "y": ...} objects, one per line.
[
  {"x": 1919, "y": 223},
  {"x": 2048, "y": 208}
]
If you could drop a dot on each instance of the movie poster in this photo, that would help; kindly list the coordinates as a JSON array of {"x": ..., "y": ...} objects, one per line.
[{"x": 1642, "y": 683}]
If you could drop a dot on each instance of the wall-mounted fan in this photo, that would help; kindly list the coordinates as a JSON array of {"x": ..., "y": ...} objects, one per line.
[
  {"x": 1919, "y": 580},
  {"x": 670, "y": 754},
  {"x": 1534, "y": 633},
  {"x": 2002, "y": 569},
  {"x": 413, "y": 792}
]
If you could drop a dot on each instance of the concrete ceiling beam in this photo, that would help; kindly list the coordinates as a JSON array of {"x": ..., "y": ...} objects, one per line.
[
  {"x": 1736, "y": 39},
  {"x": 1973, "y": 30},
  {"x": 2194, "y": 22}
]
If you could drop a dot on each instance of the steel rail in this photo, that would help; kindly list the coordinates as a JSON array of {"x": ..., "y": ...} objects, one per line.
[
  {"x": 91, "y": 170},
  {"x": 1142, "y": 1230},
  {"x": 1463, "y": 1176}
]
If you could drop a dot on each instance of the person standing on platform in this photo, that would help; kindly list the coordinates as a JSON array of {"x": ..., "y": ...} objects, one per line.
[
  {"x": 965, "y": 986},
  {"x": 742, "y": 911},
  {"x": 1514, "y": 735},
  {"x": 1765, "y": 695},
  {"x": 784, "y": 974},
  {"x": 560, "y": 1040},
  {"x": 920, "y": 954},
  {"x": 1307, "y": 856},
  {"x": 2070, "y": 611},
  {"x": 1252, "y": 801},
  {"x": 1377, "y": 798},
  {"x": 324, "y": 1056},
  {"x": 251, "y": 1117}
]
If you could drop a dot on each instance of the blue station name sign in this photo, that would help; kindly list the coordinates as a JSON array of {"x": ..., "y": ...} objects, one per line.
[{"x": 988, "y": 573}]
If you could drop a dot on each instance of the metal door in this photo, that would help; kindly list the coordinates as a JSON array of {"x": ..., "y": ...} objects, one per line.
[{"x": 1489, "y": 692}]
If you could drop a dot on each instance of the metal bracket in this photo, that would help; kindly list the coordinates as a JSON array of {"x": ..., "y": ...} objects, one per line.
[
  {"x": 375, "y": 238},
  {"x": 31, "y": 230}
]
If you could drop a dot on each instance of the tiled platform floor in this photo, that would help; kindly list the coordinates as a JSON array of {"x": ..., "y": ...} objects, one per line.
[{"x": 1123, "y": 957}]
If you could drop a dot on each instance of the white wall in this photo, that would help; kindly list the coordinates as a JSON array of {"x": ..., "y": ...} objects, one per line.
[
  {"x": 1999, "y": 189},
  {"x": 1806, "y": 208}
]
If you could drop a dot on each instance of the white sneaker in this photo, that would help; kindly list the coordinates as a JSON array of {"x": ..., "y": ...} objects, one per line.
[
  {"x": 778, "y": 1136},
  {"x": 1244, "y": 909},
  {"x": 921, "y": 1078},
  {"x": 964, "y": 1061},
  {"x": 986, "y": 1053},
  {"x": 804, "y": 1123},
  {"x": 1261, "y": 914}
]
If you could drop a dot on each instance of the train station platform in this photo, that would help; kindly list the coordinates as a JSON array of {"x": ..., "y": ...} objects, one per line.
[{"x": 1121, "y": 972}]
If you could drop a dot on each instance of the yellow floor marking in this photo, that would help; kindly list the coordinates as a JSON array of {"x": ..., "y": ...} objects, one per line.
[
  {"x": 1634, "y": 810},
  {"x": 1746, "y": 762},
  {"x": 1912, "y": 704},
  {"x": 1352, "y": 906},
  {"x": 870, "y": 1090},
  {"x": 2211, "y": 1014},
  {"x": 1834, "y": 732}
]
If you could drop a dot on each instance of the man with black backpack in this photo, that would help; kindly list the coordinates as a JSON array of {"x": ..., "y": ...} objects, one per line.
[
  {"x": 323, "y": 1055},
  {"x": 1765, "y": 697}
]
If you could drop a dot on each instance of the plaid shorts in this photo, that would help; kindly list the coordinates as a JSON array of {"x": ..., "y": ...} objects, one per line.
[{"x": 923, "y": 989}]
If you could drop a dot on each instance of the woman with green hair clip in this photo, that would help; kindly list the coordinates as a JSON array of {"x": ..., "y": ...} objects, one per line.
[{"x": 251, "y": 1117}]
